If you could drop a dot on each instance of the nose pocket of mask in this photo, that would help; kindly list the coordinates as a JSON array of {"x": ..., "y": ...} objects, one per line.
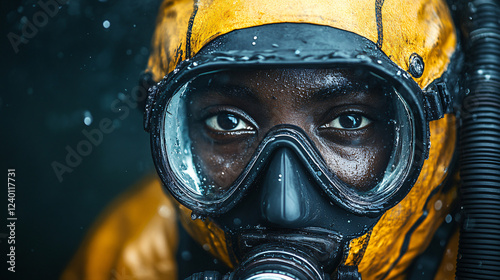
[{"x": 287, "y": 191}]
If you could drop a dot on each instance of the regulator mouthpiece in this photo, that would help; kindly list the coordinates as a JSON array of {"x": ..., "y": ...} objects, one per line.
[
  {"x": 280, "y": 262},
  {"x": 271, "y": 262}
]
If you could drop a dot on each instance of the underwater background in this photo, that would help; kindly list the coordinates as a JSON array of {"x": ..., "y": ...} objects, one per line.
[{"x": 67, "y": 124}]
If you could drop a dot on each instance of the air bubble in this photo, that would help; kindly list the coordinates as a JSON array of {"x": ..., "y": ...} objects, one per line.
[
  {"x": 164, "y": 211},
  {"x": 448, "y": 218},
  {"x": 106, "y": 24},
  {"x": 438, "y": 205},
  {"x": 206, "y": 247},
  {"x": 186, "y": 255},
  {"x": 87, "y": 118}
]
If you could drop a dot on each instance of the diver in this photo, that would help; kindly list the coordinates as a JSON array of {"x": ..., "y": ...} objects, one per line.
[{"x": 297, "y": 140}]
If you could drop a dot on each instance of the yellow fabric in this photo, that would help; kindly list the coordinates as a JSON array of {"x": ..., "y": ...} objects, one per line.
[{"x": 135, "y": 238}]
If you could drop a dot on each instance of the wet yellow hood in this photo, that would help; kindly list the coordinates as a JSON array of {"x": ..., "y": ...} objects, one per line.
[{"x": 398, "y": 27}]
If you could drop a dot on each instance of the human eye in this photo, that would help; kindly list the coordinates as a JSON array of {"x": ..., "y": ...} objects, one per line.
[
  {"x": 349, "y": 121},
  {"x": 227, "y": 122}
]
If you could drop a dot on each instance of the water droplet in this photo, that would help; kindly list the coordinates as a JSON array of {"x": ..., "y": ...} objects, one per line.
[
  {"x": 450, "y": 267},
  {"x": 186, "y": 255},
  {"x": 164, "y": 211},
  {"x": 87, "y": 118},
  {"x": 253, "y": 43},
  {"x": 438, "y": 205},
  {"x": 442, "y": 243},
  {"x": 448, "y": 218},
  {"x": 472, "y": 7},
  {"x": 106, "y": 24},
  {"x": 255, "y": 37}
]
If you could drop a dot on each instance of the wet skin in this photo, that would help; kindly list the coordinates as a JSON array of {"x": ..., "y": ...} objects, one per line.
[{"x": 345, "y": 114}]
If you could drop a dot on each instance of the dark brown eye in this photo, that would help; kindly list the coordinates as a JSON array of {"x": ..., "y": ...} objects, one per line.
[
  {"x": 226, "y": 122},
  {"x": 349, "y": 122}
]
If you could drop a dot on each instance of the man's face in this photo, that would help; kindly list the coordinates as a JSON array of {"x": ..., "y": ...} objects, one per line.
[{"x": 346, "y": 116}]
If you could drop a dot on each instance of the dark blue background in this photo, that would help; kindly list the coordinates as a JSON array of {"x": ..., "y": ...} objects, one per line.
[{"x": 72, "y": 67}]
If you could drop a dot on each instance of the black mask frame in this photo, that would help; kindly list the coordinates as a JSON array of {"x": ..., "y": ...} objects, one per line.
[{"x": 299, "y": 45}]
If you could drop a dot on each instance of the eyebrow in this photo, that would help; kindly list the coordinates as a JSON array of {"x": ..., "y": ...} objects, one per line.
[
  {"x": 229, "y": 90},
  {"x": 242, "y": 92},
  {"x": 333, "y": 91}
]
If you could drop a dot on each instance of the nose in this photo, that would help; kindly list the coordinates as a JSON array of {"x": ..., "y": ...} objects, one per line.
[{"x": 288, "y": 196}]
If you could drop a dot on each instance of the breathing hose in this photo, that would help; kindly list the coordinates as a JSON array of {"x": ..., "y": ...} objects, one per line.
[{"x": 479, "y": 244}]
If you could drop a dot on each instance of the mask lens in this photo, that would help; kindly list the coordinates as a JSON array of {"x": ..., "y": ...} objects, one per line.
[{"x": 215, "y": 127}]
